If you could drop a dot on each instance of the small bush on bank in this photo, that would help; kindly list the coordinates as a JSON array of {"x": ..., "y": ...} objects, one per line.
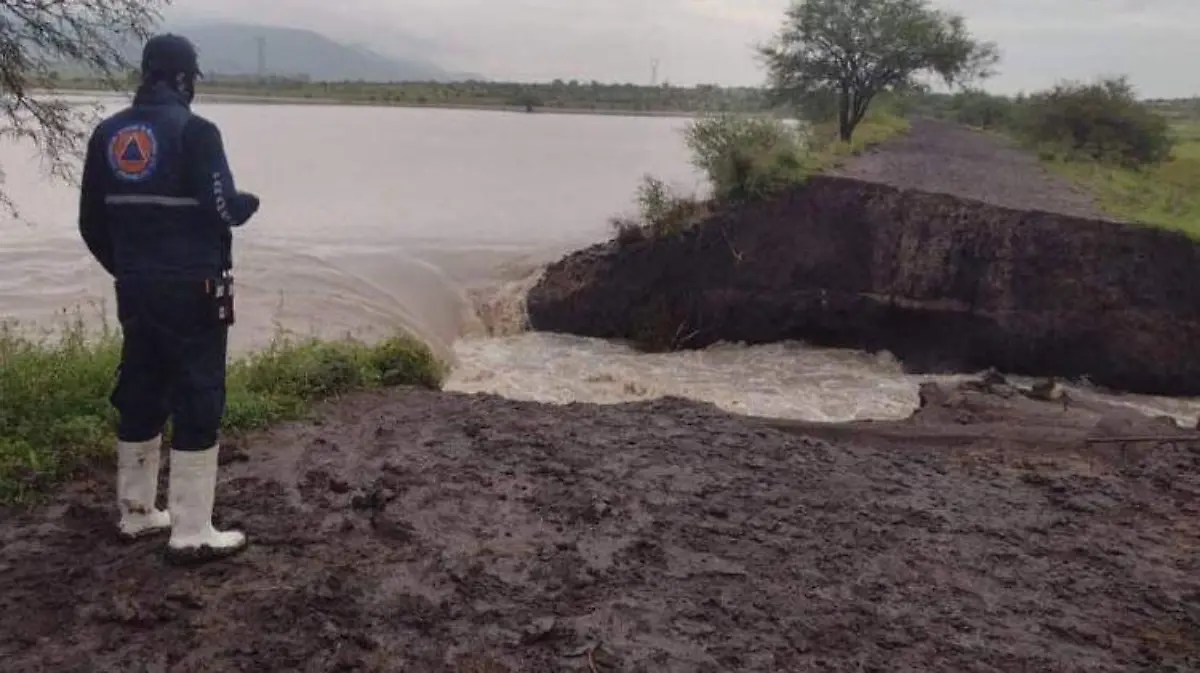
[
  {"x": 744, "y": 159},
  {"x": 747, "y": 158},
  {"x": 55, "y": 417},
  {"x": 1103, "y": 121},
  {"x": 661, "y": 211},
  {"x": 985, "y": 111}
]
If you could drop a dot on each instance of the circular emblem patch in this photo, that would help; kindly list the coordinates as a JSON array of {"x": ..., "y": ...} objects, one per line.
[{"x": 133, "y": 152}]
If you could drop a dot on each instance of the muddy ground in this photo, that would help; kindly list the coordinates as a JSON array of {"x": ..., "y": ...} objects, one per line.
[
  {"x": 946, "y": 158},
  {"x": 421, "y": 531}
]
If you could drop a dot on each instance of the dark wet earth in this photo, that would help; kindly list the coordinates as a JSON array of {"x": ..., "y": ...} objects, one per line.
[{"x": 423, "y": 531}]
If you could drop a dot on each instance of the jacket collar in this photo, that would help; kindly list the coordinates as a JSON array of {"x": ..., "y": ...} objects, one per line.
[{"x": 159, "y": 93}]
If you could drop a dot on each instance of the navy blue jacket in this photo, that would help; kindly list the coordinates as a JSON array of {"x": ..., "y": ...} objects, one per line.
[{"x": 157, "y": 200}]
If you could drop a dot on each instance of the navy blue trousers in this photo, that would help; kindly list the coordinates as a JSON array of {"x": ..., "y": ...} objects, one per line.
[{"x": 172, "y": 364}]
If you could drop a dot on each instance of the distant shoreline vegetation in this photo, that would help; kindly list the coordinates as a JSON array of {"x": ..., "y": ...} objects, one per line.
[{"x": 557, "y": 96}]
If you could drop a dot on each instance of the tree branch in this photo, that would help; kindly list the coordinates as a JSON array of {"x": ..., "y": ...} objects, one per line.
[{"x": 38, "y": 38}]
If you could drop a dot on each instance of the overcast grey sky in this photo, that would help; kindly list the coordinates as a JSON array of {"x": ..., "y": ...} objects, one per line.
[{"x": 711, "y": 40}]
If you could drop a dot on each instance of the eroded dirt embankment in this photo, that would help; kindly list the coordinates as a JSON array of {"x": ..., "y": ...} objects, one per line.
[
  {"x": 948, "y": 284},
  {"x": 418, "y": 531}
]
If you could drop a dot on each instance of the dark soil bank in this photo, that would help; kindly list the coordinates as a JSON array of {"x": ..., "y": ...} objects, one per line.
[
  {"x": 424, "y": 532},
  {"x": 947, "y": 284}
]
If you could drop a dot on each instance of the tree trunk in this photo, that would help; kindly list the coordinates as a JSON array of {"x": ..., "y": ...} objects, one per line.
[
  {"x": 859, "y": 110},
  {"x": 845, "y": 123}
]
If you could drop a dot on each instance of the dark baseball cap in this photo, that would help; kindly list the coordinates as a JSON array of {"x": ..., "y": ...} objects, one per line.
[{"x": 170, "y": 54}]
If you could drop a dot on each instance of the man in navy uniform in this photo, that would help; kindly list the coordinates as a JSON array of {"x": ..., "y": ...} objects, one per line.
[{"x": 157, "y": 209}]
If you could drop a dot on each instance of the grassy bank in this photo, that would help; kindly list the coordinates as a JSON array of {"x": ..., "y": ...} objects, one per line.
[
  {"x": 55, "y": 419},
  {"x": 826, "y": 151},
  {"x": 1164, "y": 195}
]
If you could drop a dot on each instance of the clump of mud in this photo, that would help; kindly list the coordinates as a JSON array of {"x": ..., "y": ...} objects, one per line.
[{"x": 420, "y": 531}]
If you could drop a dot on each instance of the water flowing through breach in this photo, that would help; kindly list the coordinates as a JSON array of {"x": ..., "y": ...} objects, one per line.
[
  {"x": 439, "y": 226},
  {"x": 786, "y": 380}
]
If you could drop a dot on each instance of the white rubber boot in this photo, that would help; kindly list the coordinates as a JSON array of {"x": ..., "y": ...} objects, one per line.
[
  {"x": 137, "y": 489},
  {"x": 193, "y": 484}
]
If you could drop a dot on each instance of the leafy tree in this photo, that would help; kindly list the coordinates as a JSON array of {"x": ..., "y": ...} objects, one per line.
[
  {"x": 849, "y": 51},
  {"x": 40, "y": 38}
]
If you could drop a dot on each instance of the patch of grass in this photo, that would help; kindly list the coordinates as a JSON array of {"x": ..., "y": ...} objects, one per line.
[
  {"x": 1164, "y": 195},
  {"x": 827, "y": 152},
  {"x": 55, "y": 418},
  {"x": 1187, "y": 139}
]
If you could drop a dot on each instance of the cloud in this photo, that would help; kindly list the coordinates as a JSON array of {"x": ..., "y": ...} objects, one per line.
[{"x": 713, "y": 40}]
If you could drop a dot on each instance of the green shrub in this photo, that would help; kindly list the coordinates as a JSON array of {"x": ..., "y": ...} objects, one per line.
[
  {"x": 985, "y": 111},
  {"x": 1103, "y": 121},
  {"x": 661, "y": 211},
  {"x": 744, "y": 158},
  {"x": 665, "y": 211},
  {"x": 55, "y": 418},
  {"x": 747, "y": 158}
]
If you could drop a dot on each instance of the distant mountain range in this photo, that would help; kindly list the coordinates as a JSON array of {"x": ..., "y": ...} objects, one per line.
[{"x": 228, "y": 48}]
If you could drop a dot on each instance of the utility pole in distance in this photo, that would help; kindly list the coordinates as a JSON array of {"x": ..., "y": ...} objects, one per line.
[{"x": 262, "y": 58}]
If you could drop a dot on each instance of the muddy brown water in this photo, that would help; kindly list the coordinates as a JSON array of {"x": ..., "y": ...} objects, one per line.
[{"x": 422, "y": 531}]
